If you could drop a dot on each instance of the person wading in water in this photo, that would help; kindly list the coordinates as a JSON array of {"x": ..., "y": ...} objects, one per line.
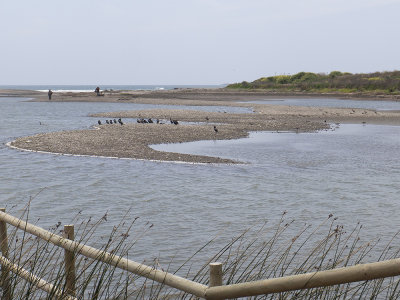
[{"x": 49, "y": 94}]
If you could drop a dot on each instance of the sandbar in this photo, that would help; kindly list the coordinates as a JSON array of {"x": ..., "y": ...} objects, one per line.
[{"x": 133, "y": 140}]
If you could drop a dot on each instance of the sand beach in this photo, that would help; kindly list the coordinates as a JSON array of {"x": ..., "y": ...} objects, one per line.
[{"x": 132, "y": 139}]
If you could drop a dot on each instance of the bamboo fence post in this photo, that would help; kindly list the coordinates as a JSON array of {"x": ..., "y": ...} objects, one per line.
[
  {"x": 215, "y": 274},
  {"x": 160, "y": 276},
  {"x": 5, "y": 274},
  {"x": 38, "y": 282},
  {"x": 69, "y": 257}
]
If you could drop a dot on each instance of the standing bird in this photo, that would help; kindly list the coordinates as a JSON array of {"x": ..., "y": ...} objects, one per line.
[
  {"x": 120, "y": 121},
  {"x": 107, "y": 122},
  {"x": 175, "y": 122},
  {"x": 99, "y": 122},
  {"x": 215, "y": 129},
  {"x": 115, "y": 121}
]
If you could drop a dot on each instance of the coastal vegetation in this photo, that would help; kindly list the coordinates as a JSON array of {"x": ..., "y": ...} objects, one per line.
[{"x": 335, "y": 81}]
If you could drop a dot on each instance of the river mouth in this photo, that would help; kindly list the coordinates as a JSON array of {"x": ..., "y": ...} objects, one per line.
[{"x": 352, "y": 172}]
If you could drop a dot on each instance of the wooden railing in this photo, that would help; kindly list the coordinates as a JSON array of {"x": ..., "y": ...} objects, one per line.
[{"x": 215, "y": 290}]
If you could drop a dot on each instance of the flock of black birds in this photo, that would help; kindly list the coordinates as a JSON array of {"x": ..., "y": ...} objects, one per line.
[
  {"x": 144, "y": 121},
  {"x": 149, "y": 120},
  {"x": 157, "y": 121},
  {"x": 112, "y": 122}
]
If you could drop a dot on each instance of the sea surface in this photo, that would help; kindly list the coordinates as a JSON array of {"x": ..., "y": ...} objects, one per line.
[
  {"x": 91, "y": 87},
  {"x": 352, "y": 172}
]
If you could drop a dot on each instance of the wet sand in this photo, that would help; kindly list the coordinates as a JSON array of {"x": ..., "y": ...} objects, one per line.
[{"x": 132, "y": 140}]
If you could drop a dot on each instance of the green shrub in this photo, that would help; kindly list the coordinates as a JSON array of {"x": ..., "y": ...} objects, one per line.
[
  {"x": 335, "y": 74},
  {"x": 335, "y": 81},
  {"x": 283, "y": 79}
]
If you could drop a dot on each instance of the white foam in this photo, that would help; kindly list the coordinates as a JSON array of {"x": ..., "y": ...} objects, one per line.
[{"x": 66, "y": 91}]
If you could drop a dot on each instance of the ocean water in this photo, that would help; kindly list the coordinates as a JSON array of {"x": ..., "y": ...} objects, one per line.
[
  {"x": 352, "y": 172},
  {"x": 91, "y": 87}
]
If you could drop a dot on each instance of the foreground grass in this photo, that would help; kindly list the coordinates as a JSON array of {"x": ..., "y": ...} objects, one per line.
[{"x": 268, "y": 251}]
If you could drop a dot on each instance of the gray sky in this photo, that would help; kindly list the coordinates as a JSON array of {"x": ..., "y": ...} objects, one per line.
[{"x": 192, "y": 41}]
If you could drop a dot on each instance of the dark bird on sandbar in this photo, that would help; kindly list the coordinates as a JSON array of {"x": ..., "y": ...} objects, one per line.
[
  {"x": 120, "y": 121},
  {"x": 175, "y": 122},
  {"x": 215, "y": 129},
  {"x": 107, "y": 122},
  {"x": 115, "y": 121},
  {"x": 158, "y": 121},
  {"x": 150, "y": 120},
  {"x": 99, "y": 122}
]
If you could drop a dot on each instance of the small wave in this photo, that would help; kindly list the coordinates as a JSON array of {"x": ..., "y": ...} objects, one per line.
[{"x": 66, "y": 91}]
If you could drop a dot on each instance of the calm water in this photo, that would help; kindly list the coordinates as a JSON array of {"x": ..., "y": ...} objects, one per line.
[
  {"x": 332, "y": 102},
  {"x": 352, "y": 172}
]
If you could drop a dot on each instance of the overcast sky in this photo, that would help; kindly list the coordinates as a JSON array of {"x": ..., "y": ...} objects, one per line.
[{"x": 192, "y": 41}]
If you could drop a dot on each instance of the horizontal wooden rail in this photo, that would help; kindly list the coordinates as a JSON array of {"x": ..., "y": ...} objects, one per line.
[
  {"x": 168, "y": 279},
  {"x": 387, "y": 268},
  {"x": 38, "y": 282},
  {"x": 383, "y": 269}
]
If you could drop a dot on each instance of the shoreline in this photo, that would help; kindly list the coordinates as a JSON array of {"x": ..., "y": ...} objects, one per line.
[
  {"x": 214, "y": 94},
  {"x": 132, "y": 140},
  {"x": 9, "y": 144}
]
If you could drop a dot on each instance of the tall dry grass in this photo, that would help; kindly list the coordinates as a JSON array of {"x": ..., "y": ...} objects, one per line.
[{"x": 266, "y": 251}]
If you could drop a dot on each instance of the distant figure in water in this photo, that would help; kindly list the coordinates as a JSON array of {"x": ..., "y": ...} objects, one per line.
[
  {"x": 50, "y": 92},
  {"x": 99, "y": 122},
  {"x": 97, "y": 91}
]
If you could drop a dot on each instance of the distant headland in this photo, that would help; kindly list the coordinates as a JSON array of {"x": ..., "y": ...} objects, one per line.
[{"x": 378, "y": 83}]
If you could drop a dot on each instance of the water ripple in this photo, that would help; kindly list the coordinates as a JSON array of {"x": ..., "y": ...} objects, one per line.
[{"x": 353, "y": 172}]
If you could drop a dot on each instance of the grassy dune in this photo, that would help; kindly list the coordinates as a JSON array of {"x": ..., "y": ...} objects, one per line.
[{"x": 336, "y": 81}]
